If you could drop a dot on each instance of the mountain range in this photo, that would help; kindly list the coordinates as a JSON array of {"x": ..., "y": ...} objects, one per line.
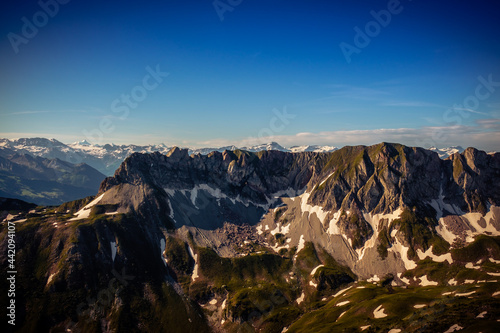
[
  {"x": 45, "y": 181},
  {"x": 108, "y": 157},
  {"x": 382, "y": 238}
]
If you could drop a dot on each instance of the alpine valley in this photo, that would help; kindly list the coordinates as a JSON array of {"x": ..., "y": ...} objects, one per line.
[{"x": 382, "y": 238}]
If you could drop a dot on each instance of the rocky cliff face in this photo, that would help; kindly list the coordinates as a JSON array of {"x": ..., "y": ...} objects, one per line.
[
  {"x": 353, "y": 192},
  {"x": 251, "y": 241}
]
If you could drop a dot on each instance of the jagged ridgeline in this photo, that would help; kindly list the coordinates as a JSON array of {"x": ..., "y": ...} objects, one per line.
[{"x": 364, "y": 238}]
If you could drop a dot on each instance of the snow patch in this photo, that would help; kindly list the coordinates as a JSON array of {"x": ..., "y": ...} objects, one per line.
[
  {"x": 419, "y": 306},
  {"x": 453, "y": 282},
  {"x": 259, "y": 230},
  {"x": 302, "y": 243},
  {"x": 482, "y": 314},
  {"x": 405, "y": 280},
  {"x": 333, "y": 228},
  {"x": 471, "y": 266},
  {"x": 379, "y": 312},
  {"x": 51, "y": 277},
  {"x": 9, "y": 217},
  {"x": 312, "y": 284},
  {"x": 85, "y": 211},
  {"x": 171, "y": 209},
  {"x": 342, "y": 291},
  {"x": 195, "y": 269},
  {"x": 454, "y": 328},
  {"x": 213, "y": 302},
  {"x": 494, "y": 261},
  {"x": 394, "y": 330},
  {"x": 280, "y": 229},
  {"x": 365, "y": 327},
  {"x": 309, "y": 209},
  {"x": 277, "y": 248},
  {"x": 466, "y": 294},
  {"x": 194, "y": 195},
  {"x": 316, "y": 268},
  {"x": 276, "y": 230},
  {"x": 343, "y": 303},
  {"x": 496, "y": 293},
  {"x": 428, "y": 253},
  {"x": 327, "y": 177},
  {"x": 113, "y": 249},
  {"x": 301, "y": 298},
  {"x": 493, "y": 274},
  {"x": 426, "y": 282},
  {"x": 170, "y": 191}
]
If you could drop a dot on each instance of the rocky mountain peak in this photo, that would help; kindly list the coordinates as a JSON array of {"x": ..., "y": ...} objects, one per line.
[{"x": 177, "y": 154}]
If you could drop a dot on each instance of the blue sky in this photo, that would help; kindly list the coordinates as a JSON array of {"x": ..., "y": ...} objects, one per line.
[{"x": 270, "y": 70}]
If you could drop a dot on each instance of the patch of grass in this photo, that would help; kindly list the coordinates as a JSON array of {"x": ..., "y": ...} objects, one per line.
[
  {"x": 331, "y": 278},
  {"x": 278, "y": 213},
  {"x": 178, "y": 255},
  {"x": 307, "y": 259},
  {"x": 483, "y": 247},
  {"x": 103, "y": 209},
  {"x": 384, "y": 242},
  {"x": 280, "y": 238}
]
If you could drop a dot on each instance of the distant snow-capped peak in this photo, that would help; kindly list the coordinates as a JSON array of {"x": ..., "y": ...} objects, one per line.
[
  {"x": 81, "y": 143},
  {"x": 445, "y": 152}
]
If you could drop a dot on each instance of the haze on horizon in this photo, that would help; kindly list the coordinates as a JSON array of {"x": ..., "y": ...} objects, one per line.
[{"x": 215, "y": 73}]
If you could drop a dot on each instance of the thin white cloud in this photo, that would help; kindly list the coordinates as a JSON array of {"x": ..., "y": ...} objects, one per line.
[
  {"x": 16, "y": 113},
  {"x": 472, "y": 111},
  {"x": 25, "y": 112},
  {"x": 413, "y": 104}
]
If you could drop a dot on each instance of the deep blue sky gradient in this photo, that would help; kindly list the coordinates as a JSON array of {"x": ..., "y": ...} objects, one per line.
[{"x": 226, "y": 77}]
